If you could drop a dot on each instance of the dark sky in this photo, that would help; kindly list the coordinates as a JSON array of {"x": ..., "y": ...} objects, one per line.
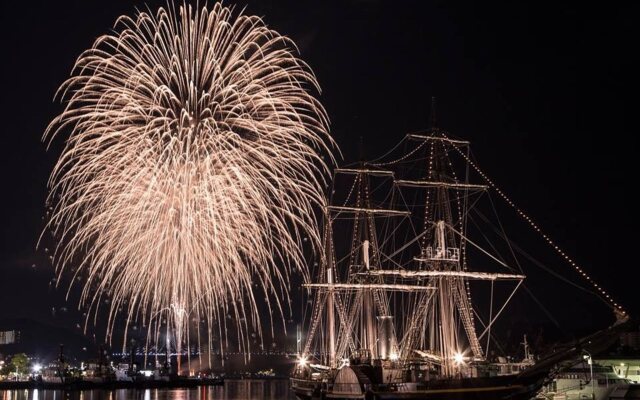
[{"x": 540, "y": 91}]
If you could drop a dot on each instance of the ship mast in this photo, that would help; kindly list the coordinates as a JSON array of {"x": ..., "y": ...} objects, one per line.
[
  {"x": 371, "y": 301},
  {"x": 351, "y": 320},
  {"x": 440, "y": 325},
  {"x": 351, "y": 300},
  {"x": 331, "y": 318},
  {"x": 443, "y": 252}
]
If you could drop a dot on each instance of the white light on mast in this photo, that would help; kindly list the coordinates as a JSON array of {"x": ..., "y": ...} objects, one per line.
[{"x": 302, "y": 362}]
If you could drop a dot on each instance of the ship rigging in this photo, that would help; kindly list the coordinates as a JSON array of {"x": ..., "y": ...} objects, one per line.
[{"x": 394, "y": 313}]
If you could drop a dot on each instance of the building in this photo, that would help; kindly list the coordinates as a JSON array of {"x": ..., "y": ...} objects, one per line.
[
  {"x": 628, "y": 368},
  {"x": 9, "y": 337}
]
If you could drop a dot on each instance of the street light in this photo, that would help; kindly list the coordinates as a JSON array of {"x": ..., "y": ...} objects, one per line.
[{"x": 590, "y": 362}]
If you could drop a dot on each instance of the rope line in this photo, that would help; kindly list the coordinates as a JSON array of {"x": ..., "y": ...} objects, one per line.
[{"x": 603, "y": 293}]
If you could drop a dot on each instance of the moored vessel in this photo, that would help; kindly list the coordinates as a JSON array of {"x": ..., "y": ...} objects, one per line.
[{"x": 393, "y": 316}]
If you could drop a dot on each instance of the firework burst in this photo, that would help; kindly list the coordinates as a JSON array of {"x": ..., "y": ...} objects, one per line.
[{"x": 194, "y": 163}]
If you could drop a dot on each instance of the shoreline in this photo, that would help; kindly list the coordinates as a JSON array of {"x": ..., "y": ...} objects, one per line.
[{"x": 110, "y": 385}]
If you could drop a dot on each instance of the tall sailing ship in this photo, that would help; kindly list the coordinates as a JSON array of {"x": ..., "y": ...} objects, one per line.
[{"x": 392, "y": 314}]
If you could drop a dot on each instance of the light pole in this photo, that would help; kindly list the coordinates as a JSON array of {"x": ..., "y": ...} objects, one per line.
[{"x": 590, "y": 362}]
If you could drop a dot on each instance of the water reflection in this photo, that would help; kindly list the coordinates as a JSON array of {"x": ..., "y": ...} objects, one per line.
[{"x": 247, "y": 389}]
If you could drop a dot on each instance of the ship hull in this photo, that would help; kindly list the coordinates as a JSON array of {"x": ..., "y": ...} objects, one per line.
[
  {"x": 469, "y": 394},
  {"x": 495, "y": 388}
]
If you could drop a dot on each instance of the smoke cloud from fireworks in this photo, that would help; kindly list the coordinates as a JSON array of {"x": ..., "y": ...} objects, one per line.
[{"x": 195, "y": 158}]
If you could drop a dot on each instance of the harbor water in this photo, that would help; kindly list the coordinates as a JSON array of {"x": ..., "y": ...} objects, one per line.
[{"x": 245, "y": 389}]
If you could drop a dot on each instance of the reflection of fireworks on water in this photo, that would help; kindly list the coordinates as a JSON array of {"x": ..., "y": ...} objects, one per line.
[{"x": 191, "y": 171}]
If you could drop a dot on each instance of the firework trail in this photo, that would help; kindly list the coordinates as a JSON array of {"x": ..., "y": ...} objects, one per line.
[{"x": 194, "y": 163}]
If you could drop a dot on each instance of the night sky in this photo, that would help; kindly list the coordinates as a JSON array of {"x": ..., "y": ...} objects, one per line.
[{"x": 540, "y": 91}]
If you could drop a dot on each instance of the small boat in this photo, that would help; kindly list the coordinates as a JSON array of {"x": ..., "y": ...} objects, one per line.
[{"x": 585, "y": 380}]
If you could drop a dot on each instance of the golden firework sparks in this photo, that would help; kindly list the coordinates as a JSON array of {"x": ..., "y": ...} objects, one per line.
[{"x": 193, "y": 165}]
